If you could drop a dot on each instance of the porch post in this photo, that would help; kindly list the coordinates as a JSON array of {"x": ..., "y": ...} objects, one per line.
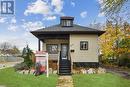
[
  {"x": 58, "y": 62},
  {"x": 39, "y": 45}
]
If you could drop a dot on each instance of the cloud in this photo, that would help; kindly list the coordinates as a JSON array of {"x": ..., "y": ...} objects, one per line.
[
  {"x": 38, "y": 7},
  {"x": 31, "y": 26},
  {"x": 101, "y": 14},
  {"x": 58, "y": 5},
  {"x": 3, "y": 19},
  {"x": 13, "y": 20},
  {"x": 8, "y": 20},
  {"x": 12, "y": 27},
  {"x": 46, "y": 8},
  {"x": 50, "y": 18},
  {"x": 100, "y": 1},
  {"x": 83, "y": 14},
  {"x": 72, "y": 3}
]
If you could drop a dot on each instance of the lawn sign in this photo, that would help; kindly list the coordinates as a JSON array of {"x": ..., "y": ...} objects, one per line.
[{"x": 42, "y": 59}]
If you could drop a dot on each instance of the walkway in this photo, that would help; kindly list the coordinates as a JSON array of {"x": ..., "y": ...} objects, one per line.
[{"x": 65, "y": 81}]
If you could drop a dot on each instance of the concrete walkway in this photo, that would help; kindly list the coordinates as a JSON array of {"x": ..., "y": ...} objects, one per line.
[{"x": 65, "y": 81}]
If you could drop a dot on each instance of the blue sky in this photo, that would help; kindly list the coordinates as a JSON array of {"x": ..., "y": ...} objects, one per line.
[{"x": 34, "y": 14}]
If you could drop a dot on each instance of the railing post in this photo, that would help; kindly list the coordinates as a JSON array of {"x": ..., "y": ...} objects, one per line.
[
  {"x": 58, "y": 62},
  {"x": 71, "y": 62},
  {"x": 47, "y": 65}
]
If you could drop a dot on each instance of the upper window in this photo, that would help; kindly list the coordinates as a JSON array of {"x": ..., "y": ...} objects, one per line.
[
  {"x": 84, "y": 45},
  {"x": 52, "y": 49},
  {"x": 66, "y": 22}
]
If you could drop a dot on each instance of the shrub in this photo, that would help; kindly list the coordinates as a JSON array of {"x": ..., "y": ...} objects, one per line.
[
  {"x": 28, "y": 56},
  {"x": 124, "y": 60},
  {"x": 128, "y": 65},
  {"x": 21, "y": 66}
]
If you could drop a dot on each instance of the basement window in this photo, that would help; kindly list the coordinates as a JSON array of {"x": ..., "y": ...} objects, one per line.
[{"x": 83, "y": 45}]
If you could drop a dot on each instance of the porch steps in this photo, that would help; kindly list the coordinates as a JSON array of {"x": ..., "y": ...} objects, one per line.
[{"x": 65, "y": 67}]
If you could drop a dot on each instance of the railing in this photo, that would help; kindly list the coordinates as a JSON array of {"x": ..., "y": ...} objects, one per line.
[
  {"x": 70, "y": 61},
  {"x": 59, "y": 57}
]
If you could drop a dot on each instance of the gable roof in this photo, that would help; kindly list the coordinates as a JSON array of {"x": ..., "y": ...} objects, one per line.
[{"x": 75, "y": 29}]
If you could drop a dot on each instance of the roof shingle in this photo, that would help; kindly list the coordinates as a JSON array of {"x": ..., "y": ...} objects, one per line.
[{"x": 74, "y": 29}]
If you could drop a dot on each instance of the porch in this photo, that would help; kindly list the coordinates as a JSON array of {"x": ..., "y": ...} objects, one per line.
[{"x": 57, "y": 45}]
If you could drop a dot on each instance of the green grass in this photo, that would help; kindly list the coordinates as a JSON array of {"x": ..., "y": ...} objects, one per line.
[
  {"x": 9, "y": 78},
  {"x": 100, "y": 80}
]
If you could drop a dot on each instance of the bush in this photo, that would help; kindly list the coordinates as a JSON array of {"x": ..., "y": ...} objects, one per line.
[
  {"x": 124, "y": 60},
  {"x": 28, "y": 56},
  {"x": 21, "y": 66},
  {"x": 128, "y": 65}
]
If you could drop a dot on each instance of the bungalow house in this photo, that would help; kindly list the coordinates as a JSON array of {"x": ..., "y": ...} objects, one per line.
[{"x": 69, "y": 45}]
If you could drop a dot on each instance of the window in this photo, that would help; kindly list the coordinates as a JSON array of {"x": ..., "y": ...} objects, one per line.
[
  {"x": 52, "y": 49},
  {"x": 84, "y": 45},
  {"x": 66, "y": 23}
]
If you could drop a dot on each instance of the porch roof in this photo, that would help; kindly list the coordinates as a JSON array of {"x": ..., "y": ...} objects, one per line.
[{"x": 58, "y": 29}]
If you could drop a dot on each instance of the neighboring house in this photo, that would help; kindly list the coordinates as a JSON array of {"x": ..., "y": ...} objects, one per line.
[{"x": 69, "y": 45}]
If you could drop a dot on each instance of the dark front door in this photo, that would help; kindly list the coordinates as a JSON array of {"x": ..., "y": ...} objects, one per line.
[
  {"x": 65, "y": 64},
  {"x": 64, "y": 52}
]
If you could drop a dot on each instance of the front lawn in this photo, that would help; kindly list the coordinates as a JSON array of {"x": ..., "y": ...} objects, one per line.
[
  {"x": 9, "y": 78},
  {"x": 100, "y": 80}
]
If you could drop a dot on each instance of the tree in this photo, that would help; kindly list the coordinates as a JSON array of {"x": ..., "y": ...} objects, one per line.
[
  {"x": 7, "y": 48},
  {"x": 28, "y": 56},
  {"x": 109, "y": 7},
  {"x": 124, "y": 44},
  {"x": 14, "y": 51},
  {"x": 98, "y": 26},
  {"x": 115, "y": 42},
  {"x": 108, "y": 41}
]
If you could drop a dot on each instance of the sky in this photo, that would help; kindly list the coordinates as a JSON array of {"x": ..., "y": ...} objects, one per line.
[{"x": 35, "y": 14}]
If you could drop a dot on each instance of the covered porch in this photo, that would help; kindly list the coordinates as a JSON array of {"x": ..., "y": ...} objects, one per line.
[{"x": 57, "y": 45}]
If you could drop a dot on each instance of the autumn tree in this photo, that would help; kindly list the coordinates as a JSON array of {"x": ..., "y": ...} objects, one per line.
[
  {"x": 115, "y": 42},
  {"x": 109, "y": 40},
  {"x": 124, "y": 44}
]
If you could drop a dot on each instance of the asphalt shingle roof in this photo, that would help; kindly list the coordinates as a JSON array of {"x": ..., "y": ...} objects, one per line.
[{"x": 67, "y": 30}]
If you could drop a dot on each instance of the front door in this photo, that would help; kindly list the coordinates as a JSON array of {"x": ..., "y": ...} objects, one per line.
[{"x": 64, "y": 51}]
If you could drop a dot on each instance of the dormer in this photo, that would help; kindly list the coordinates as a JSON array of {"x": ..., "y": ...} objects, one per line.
[{"x": 66, "y": 21}]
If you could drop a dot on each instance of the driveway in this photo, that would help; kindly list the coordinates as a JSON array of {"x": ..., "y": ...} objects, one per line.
[{"x": 119, "y": 71}]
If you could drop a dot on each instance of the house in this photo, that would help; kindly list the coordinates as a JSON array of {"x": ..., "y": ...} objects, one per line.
[{"x": 69, "y": 45}]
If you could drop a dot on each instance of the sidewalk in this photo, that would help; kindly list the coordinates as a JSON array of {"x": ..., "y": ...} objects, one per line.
[{"x": 65, "y": 81}]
